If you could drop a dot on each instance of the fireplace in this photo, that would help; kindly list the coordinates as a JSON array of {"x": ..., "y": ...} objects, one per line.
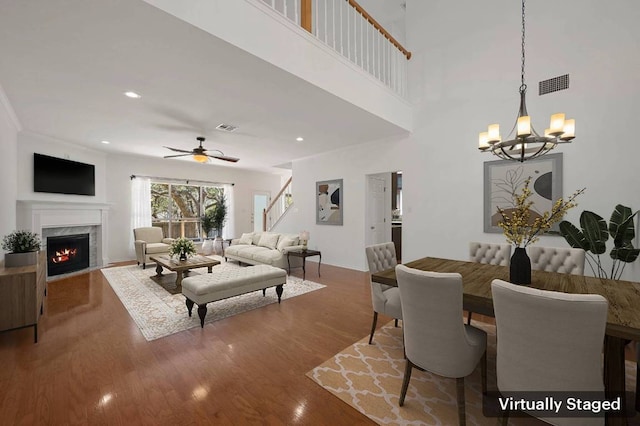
[{"x": 67, "y": 253}]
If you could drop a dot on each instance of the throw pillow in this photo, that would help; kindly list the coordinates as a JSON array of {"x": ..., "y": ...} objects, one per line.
[
  {"x": 269, "y": 240},
  {"x": 285, "y": 242},
  {"x": 246, "y": 238}
]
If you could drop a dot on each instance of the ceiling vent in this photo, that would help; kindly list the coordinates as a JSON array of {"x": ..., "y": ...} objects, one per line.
[
  {"x": 227, "y": 127},
  {"x": 553, "y": 84}
]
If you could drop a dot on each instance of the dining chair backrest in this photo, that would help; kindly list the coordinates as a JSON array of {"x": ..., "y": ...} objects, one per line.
[
  {"x": 493, "y": 254},
  {"x": 554, "y": 259},
  {"x": 549, "y": 341},
  {"x": 434, "y": 334},
  {"x": 380, "y": 257}
]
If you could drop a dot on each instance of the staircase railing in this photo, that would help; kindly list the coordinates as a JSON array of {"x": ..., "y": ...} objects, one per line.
[
  {"x": 347, "y": 28},
  {"x": 278, "y": 207}
]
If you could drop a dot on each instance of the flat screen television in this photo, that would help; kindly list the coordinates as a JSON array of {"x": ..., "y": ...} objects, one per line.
[{"x": 60, "y": 176}]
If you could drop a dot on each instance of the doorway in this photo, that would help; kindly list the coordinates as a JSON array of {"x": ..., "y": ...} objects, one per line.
[
  {"x": 383, "y": 210},
  {"x": 261, "y": 200}
]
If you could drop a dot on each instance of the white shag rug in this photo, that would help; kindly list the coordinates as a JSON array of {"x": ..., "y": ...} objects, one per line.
[{"x": 158, "y": 313}]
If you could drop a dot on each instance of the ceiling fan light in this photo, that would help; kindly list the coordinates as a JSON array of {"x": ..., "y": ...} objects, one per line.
[{"x": 200, "y": 158}]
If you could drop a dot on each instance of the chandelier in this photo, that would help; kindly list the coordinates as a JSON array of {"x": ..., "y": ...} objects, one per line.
[{"x": 527, "y": 143}]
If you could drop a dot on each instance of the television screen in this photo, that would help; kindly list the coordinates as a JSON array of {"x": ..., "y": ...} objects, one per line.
[{"x": 60, "y": 176}]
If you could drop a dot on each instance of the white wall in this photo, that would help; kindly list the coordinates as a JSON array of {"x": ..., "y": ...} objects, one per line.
[
  {"x": 121, "y": 167},
  {"x": 8, "y": 166},
  {"x": 466, "y": 76}
]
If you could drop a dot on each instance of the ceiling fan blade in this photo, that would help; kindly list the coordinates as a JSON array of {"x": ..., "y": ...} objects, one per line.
[
  {"x": 179, "y": 155},
  {"x": 224, "y": 158},
  {"x": 177, "y": 150}
]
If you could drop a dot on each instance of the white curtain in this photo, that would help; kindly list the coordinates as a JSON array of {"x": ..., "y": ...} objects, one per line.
[
  {"x": 229, "y": 228},
  {"x": 140, "y": 205}
]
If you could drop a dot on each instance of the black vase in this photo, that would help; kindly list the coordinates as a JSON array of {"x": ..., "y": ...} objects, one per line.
[
  {"x": 183, "y": 256},
  {"x": 520, "y": 268}
]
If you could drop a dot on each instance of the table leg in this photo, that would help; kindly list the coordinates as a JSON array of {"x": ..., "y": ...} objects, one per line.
[
  {"x": 209, "y": 269},
  {"x": 288, "y": 265},
  {"x": 304, "y": 271},
  {"x": 158, "y": 269},
  {"x": 179, "y": 279},
  {"x": 319, "y": 262},
  {"x": 614, "y": 375}
]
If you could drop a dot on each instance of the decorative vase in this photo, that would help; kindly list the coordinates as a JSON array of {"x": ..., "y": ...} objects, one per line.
[
  {"x": 183, "y": 256},
  {"x": 12, "y": 260},
  {"x": 207, "y": 247},
  {"x": 520, "y": 268}
]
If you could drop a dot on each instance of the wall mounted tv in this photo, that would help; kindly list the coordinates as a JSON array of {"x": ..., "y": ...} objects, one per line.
[{"x": 60, "y": 176}]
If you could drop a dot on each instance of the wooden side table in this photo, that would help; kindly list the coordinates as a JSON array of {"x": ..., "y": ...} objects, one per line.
[{"x": 304, "y": 254}]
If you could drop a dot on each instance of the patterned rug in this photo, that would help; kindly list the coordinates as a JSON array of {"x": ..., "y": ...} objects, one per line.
[
  {"x": 159, "y": 313},
  {"x": 369, "y": 378}
]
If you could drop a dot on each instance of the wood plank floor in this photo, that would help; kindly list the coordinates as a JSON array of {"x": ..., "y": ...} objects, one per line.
[{"x": 93, "y": 366}]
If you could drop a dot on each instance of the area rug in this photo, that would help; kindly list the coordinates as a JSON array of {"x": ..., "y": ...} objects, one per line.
[
  {"x": 159, "y": 313},
  {"x": 369, "y": 378}
]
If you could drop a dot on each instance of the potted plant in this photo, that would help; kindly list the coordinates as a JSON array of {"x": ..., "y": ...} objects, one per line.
[
  {"x": 207, "y": 227},
  {"x": 23, "y": 248},
  {"x": 219, "y": 215},
  {"x": 593, "y": 236},
  {"x": 182, "y": 247}
]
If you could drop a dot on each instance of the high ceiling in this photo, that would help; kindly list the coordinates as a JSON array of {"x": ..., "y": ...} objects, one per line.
[{"x": 65, "y": 64}]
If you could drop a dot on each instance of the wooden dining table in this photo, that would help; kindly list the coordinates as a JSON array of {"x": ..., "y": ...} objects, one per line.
[{"x": 623, "y": 320}]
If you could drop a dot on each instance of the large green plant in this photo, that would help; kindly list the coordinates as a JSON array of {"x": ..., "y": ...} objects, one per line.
[
  {"x": 593, "y": 236},
  {"x": 219, "y": 212},
  {"x": 208, "y": 222}
]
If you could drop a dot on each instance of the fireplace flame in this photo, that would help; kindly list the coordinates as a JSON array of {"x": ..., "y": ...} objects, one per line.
[{"x": 63, "y": 255}]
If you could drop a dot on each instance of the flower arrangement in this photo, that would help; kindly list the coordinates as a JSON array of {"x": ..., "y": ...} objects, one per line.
[
  {"x": 182, "y": 247},
  {"x": 21, "y": 242},
  {"x": 518, "y": 226}
]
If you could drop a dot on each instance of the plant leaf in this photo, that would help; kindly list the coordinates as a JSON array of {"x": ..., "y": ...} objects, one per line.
[
  {"x": 594, "y": 228},
  {"x": 621, "y": 225},
  {"x": 574, "y": 236},
  {"x": 625, "y": 254}
]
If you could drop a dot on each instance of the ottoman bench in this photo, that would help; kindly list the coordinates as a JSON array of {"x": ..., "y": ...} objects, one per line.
[{"x": 203, "y": 289}]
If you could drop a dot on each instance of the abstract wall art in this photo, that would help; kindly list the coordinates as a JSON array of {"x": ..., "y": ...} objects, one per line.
[
  {"x": 329, "y": 205},
  {"x": 503, "y": 179}
]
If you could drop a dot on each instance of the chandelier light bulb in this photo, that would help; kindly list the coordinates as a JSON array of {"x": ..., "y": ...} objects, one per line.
[
  {"x": 494, "y": 133},
  {"x": 569, "y": 130},
  {"x": 524, "y": 125},
  {"x": 483, "y": 140}
]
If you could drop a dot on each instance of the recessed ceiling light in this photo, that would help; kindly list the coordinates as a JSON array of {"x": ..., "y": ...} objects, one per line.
[
  {"x": 133, "y": 95},
  {"x": 105, "y": 142},
  {"x": 299, "y": 139}
]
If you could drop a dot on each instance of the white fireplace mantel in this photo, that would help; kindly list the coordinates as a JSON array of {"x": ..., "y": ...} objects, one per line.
[{"x": 36, "y": 215}]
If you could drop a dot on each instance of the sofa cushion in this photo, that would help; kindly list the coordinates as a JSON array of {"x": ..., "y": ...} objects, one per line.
[
  {"x": 269, "y": 240},
  {"x": 154, "y": 248},
  {"x": 285, "y": 242},
  {"x": 268, "y": 257},
  {"x": 246, "y": 238},
  {"x": 256, "y": 238},
  {"x": 294, "y": 237}
]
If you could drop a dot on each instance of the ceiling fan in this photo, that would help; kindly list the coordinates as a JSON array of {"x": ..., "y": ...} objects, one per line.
[{"x": 200, "y": 153}]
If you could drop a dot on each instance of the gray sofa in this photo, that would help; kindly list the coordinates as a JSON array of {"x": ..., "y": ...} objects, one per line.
[{"x": 264, "y": 248}]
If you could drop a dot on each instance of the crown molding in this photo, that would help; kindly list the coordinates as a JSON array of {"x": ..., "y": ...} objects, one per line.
[{"x": 4, "y": 101}]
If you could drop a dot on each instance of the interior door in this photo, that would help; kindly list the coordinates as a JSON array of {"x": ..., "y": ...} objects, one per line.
[
  {"x": 260, "y": 202},
  {"x": 376, "y": 212}
]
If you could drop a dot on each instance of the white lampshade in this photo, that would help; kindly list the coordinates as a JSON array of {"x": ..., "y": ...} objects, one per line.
[
  {"x": 524, "y": 125},
  {"x": 569, "y": 129},
  {"x": 494, "y": 133},
  {"x": 557, "y": 124},
  {"x": 483, "y": 140}
]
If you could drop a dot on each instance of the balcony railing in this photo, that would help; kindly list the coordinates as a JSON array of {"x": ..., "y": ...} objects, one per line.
[{"x": 347, "y": 28}]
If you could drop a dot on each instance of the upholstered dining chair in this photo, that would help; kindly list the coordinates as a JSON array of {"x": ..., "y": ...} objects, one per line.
[
  {"x": 549, "y": 341},
  {"x": 435, "y": 337},
  {"x": 385, "y": 299},
  {"x": 150, "y": 241},
  {"x": 492, "y": 254},
  {"x": 554, "y": 259}
]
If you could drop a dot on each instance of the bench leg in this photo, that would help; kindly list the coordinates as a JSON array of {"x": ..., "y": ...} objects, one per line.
[
  {"x": 202, "y": 312},
  {"x": 189, "y": 305},
  {"x": 279, "y": 291},
  {"x": 264, "y": 292}
]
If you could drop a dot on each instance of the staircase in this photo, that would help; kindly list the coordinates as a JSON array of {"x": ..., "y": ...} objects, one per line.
[{"x": 278, "y": 208}]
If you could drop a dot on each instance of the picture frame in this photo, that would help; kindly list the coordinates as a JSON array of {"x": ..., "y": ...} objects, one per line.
[
  {"x": 329, "y": 202},
  {"x": 503, "y": 178}
]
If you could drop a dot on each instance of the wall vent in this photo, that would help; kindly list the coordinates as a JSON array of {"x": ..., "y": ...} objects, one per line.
[
  {"x": 227, "y": 127},
  {"x": 553, "y": 84}
]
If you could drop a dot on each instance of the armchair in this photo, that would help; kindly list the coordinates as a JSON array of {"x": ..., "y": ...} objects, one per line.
[{"x": 150, "y": 241}]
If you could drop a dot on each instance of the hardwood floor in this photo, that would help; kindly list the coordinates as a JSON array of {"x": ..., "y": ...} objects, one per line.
[{"x": 93, "y": 366}]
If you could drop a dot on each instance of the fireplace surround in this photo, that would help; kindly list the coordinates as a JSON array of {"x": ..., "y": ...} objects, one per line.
[{"x": 67, "y": 253}]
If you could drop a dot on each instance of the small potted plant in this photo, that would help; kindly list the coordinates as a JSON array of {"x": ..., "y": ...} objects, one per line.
[
  {"x": 182, "y": 247},
  {"x": 23, "y": 248}
]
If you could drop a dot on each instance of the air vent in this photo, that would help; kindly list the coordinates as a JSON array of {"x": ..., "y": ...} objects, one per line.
[
  {"x": 553, "y": 84},
  {"x": 227, "y": 127}
]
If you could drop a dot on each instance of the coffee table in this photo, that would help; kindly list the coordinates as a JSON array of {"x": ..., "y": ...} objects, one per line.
[{"x": 182, "y": 267}]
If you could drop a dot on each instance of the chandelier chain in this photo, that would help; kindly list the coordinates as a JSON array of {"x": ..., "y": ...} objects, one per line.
[{"x": 523, "y": 86}]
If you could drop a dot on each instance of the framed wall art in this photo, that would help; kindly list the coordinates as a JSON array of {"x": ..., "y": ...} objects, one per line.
[
  {"x": 329, "y": 204},
  {"x": 502, "y": 179}
]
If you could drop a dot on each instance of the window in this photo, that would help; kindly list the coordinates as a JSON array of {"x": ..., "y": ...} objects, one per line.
[{"x": 178, "y": 208}]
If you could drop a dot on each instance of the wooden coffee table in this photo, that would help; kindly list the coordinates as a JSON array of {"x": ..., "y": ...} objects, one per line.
[{"x": 182, "y": 267}]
